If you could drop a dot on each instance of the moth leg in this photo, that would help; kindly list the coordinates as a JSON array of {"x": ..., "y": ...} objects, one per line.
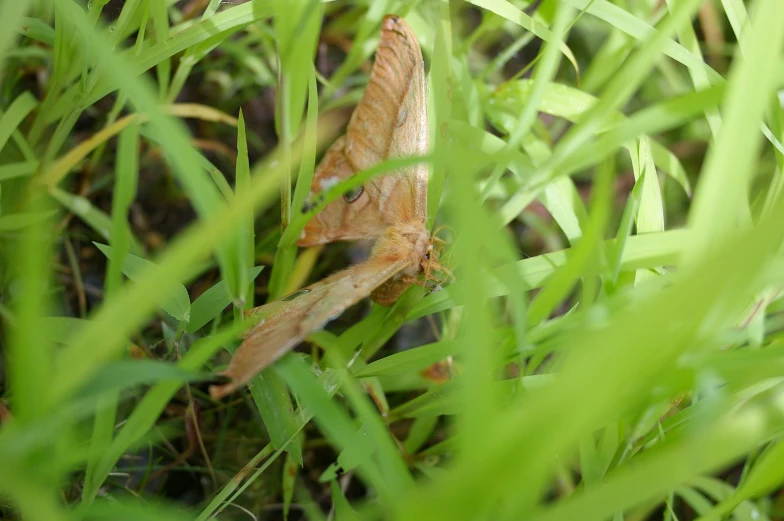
[
  {"x": 446, "y": 271},
  {"x": 434, "y": 265},
  {"x": 413, "y": 280}
]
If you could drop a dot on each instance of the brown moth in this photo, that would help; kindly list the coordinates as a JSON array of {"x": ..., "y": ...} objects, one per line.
[{"x": 389, "y": 121}]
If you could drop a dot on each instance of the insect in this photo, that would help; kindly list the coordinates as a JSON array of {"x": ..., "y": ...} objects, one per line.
[{"x": 389, "y": 121}]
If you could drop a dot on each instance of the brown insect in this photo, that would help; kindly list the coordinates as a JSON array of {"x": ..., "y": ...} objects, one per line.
[{"x": 389, "y": 121}]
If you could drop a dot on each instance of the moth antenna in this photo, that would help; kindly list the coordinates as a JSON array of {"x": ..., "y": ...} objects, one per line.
[{"x": 434, "y": 236}]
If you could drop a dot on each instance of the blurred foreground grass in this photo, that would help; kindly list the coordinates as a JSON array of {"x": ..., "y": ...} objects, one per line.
[{"x": 612, "y": 173}]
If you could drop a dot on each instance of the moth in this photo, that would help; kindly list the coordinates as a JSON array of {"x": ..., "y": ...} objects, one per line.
[{"x": 389, "y": 121}]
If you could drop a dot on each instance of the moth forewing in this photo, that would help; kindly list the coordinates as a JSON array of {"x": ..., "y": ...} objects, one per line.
[{"x": 390, "y": 120}]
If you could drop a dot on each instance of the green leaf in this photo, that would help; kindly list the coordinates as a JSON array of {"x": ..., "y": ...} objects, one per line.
[
  {"x": 236, "y": 16},
  {"x": 176, "y": 302},
  {"x": 11, "y": 19},
  {"x": 570, "y": 103},
  {"x": 61, "y": 329},
  {"x": 37, "y": 30},
  {"x": 20, "y": 221},
  {"x": 121, "y": 374},
  {"x": 14, "y": 114},
  {"x": 212, "y": 302},
  {"x": 92, "y": 216},
  {"x": 410, "y": 360},
  {"x": 274, "y": 405},
  {"x": 513, "y": 14},
  {"x": 343, "y": 509}
]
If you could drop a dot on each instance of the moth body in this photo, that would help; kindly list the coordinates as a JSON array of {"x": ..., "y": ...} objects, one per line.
[
  {"x": 407, "y": 242},
  {"x": 391, "y": 210}
]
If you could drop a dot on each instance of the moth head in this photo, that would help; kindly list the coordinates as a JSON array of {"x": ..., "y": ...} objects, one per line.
[{"x": 429, "y": 256}]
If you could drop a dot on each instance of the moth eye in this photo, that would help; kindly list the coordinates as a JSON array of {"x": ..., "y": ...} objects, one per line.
[
  {"x": 353, "y": 194},
  {"x": 295, "y": 295}
]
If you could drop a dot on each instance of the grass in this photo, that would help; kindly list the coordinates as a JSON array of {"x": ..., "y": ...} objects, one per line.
[{"x": 611, "y": 348}]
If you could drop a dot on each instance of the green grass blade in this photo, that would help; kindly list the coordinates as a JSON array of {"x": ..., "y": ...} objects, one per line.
[
  {"x": 176, "y": 303},
  {"x": 11, "y": 14},
  {"x": 617, "y": 92},
  {"x": 145, "y": 414},
  {"x": 212, "y": 302},
  {"x": 246, "y": 235},
  {"x": 124, "y": 194},
  {"x": 29, "y": 355},
  {"x": 513, "y": 14},
  {"x": 730, "y": 161},
  {"x": 228, "y": 20},
  {"x": 14, "y": 115},
  {"x": 332, "y": 420}
]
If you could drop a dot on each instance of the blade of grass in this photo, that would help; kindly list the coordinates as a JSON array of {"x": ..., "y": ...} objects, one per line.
[
  {"x": 513, "y": 14},
  {"x": 29, "y": 354},
  {"x": 478, "y": 340},
  {"x": 269, "y": 391},
  {"x": 286, "y": 251},
  {"x": 212, "y": 302},
  {"x": 560, "y": 283},
  {"x": 61, "y": 168},
  {"x": 176, "y": 302},
  {"x": 332, "y": 420},
  {"x": 11, "y": 14},
  {"x": 639, "y": 29},
  {"x": 680, "y": 461},
  {"x": 14, "y": 115},
  {"x": 650, "y": 213},
  {"x": 728, "y": 166},
  {"x": 296, "y": 58},
  {"x": 617, "y": 92},
  {"x": 124, "y": 194},
  {"x": 133, "y": 304},
  {"x": 239, "y": 15},
  {"x": 33, "y": 28},
  {"x": 146, "y": 413},
  {"x": 329, "y": 382},
  {"x": 92, "y": 216},
  {"x": 542, "y": 76},
  {"x": 697, "y": 291},
  {"x": 644, "y": 251},
  {"x": 246, "y": 235},
  {"x": 441, "y": 96}
]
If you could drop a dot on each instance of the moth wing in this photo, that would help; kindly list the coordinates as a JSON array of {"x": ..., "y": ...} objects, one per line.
[
  {"x": 284, "y": 323},
  {"x": 389, "y": 121},
  {"x": 341, "y": 220}
]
